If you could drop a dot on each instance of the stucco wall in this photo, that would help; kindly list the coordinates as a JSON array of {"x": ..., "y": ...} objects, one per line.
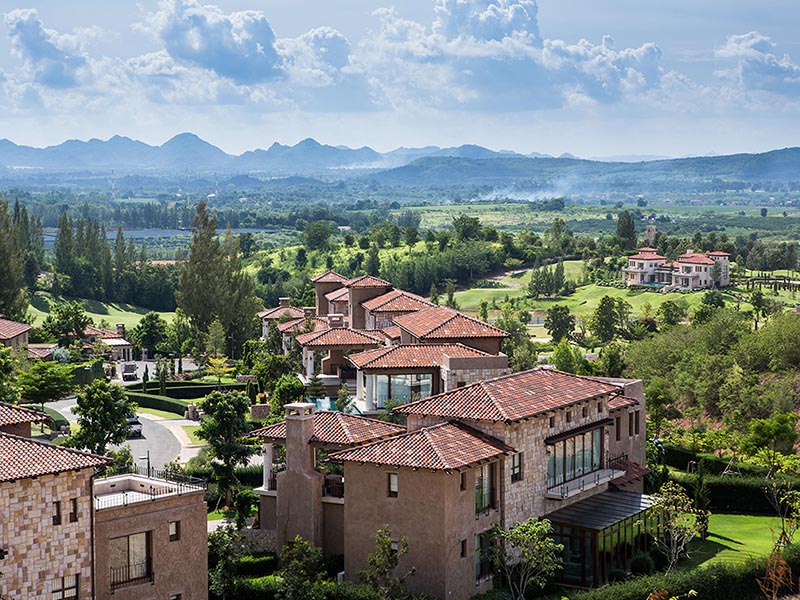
[
  {"x": 333, "y": 526},
  {"x": 179, "y": 567},
  {"x": 20, "y": 429},
  {"x": 38, "y": 551}
]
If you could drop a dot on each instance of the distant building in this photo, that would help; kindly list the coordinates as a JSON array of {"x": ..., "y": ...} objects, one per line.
[
  {"x": 690, "y": 271},
  {"x": 13, "y": 334}
]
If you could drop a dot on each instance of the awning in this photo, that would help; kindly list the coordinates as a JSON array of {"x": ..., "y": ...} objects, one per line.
[
  {"x": 602, "y": 510},
  {"x": 578, "y": 430}
]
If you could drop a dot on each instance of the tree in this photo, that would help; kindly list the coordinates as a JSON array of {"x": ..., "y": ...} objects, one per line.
[
  {"x": 373, "y": 264},
  {"x": 315, "y": 388},
  {"x": 381, "y": 575},
  {"x": 671, "y": 313},
  {"x": 45, "y": 381},
  {"x": 525, "y": 554},
  {"x": 179, "y": 335},
  {"x": 483, "y": 311},
  {"x": 559, "y": 322},
  {"x": 225, "y": 548},
  {"x": 103, "y": 411},
  {"x": 434, "y": 294},
  {"x": 218, "y": 367},
  {"x": 9, "y": 390},
  {"x": 603, "y": 323},
  {"x": 151, "y": 332},
  {"x": 450, "y": 290},
  {"x": 302, "y": 571},
  {"x": 466, "y": 227},
  {"x": 67, "y": 322},
  {"x": 569, "y": 358},
  {"x": 771, "y": 437},
  {"x": 715, "y": 273},
  {"x": 676, "y": 522},
  {"x": 611, "y": 362},
  {"x": 13, "y": 299},
  {"x": 317, "y": 233},
  {"x": 301, "y": 258},
  {"x": 224, "y": 425},
  {"x": 411, "y": 236},
  {"x": 344, "y": 402},
  {"x": 763, "y": 212},
  {"x": 215, "y": 344},
  {"x": 245, "y": 499},
  {"x": 518, "y": 345},
  {"x": 759, "y": 302},
  {"x": 626, "y": 230},
  {"x": 287, "y": 389}
]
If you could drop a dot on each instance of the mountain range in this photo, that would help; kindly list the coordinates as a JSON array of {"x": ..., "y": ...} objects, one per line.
[{"x": 190, "y": 157}]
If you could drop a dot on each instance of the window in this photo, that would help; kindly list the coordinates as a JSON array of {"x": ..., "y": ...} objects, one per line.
[
  {"x": 516, "y": 467},
  {"x": 66, "y": 588},
  {"x": 175, "y": 597},
  {"x": 392, "y": 485},
  {"x": 461, "y": 384},
  {"x": 130, "y": 559},
  {"x": 585, "y": 412},
  {"x": 552, "y": 422},
  {"x": 57, "y": 512},
  {"x": 618, "y": 428},
  {"x": 393, "y": 547},
  {"x": 630, "y": 424},
  {"x": 636, "y": 422},
  {"x": 174, "y": 531},
  {"x": 599, "y": 408},
  {"x": 569, "y": 416},
  {"x": 574, "y": 457},
  {"x": 484, "y": 487},
  {"x": 463, "y": 548},
  {"x": 483, "y": 563},
  {"x": 73, "y": 510},
  {"x": 462, "y": 484}
]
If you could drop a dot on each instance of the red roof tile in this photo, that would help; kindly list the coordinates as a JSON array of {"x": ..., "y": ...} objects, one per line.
[
  {"x": 340, "y": 336},
  {"x": 397, "y": 301},
  {"x": 298, "y": 325},
  {"x": 11, "y": 414},
  {"x": 440, "y": 447},
  {"x": 336, "y": 429},
  {"x": 633, "y": 471},
  {"x": 367, "y": 281},
  {"x": 40, "y": 351},
  {"x": 719, "y": 253},
  {"x": 392, "y": 332},
  {"x": 91, "y": 331},
  {"x": 647, "y": 256},
  {"x": 273, "y": 314},
  {"x": 340, "y": 295},
  {"x": 329, "y": 277},
  {"x": 695, "y": 258},
  {"x": 410, "y": 356},
  {"x": 22, "y": 458},
  {"x": 11, "y": 329},
  {"x": 445, "y": 323},
  {"x": 647, "y": 249},
  {"x": 621, "y": 402},
  {"x": 511, "y": 397}
]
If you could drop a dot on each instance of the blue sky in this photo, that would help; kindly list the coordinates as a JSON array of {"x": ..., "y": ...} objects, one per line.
[{"x": 590, "y": 77}]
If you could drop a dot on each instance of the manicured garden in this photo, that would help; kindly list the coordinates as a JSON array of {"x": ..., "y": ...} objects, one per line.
[{"x": 733, "y": 539}]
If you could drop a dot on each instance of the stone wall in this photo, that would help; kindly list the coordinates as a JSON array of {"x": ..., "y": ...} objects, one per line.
[{"x": 39, "y": 552}]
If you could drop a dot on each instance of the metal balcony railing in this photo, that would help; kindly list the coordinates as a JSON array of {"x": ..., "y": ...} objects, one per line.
[
  {"x": 333, "y": 488},
  {"x": 130, "y": 574}
]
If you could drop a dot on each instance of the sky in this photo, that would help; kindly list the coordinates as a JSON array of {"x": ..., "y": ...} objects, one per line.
[{"x": 588, "y": 77}]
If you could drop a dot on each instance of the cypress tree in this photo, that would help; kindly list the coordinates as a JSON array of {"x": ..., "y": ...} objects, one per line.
[{"x": 13, "y": 299}]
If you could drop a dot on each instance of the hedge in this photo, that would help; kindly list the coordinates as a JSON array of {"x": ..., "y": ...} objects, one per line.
[
  {"x": 250, "y": 476},
  {"x": 188, "y": 391},
  {"x": 257, "y": 565},
  {"x": 679, "y": 458},
  {"x": 158, "y": 402},
  {"x": 728, "y": 493}
]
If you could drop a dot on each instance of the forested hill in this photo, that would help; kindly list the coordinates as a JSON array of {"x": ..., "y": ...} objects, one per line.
[{"x": 691, "y": 173}]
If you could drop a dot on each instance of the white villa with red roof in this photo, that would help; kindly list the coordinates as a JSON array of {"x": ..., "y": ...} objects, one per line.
[{"x": 690, "y": 271}]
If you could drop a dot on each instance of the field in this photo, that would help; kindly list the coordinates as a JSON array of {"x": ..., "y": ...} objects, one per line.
[
  {"x": 41, "y": 305},
  {"x": 733, "y": 539}
]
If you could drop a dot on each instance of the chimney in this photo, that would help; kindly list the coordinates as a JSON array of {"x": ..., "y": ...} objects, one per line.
[
  {"x": 299, "y": 431},
  {"x": 689, "y": 251},
  {"x": 309, "y": 311},
  {"x": 120, "y": 329},
  {"x": 283, "y": 302},
  {"x": 336, "y": 320}
]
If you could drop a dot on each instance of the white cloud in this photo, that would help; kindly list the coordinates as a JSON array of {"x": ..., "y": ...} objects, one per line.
[
  {"x": 486, "y": 19},
  {"x": 51, "y": 59},
  {"x": 758, "y": 68}
]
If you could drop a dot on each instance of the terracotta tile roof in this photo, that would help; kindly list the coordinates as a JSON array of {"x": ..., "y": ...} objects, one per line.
[
  {"x": 11, "y": 329},
  {"x": 647, "y": 249},
  {"x": 340, "y": 336},
  {"x": 511, "y": 397},
  {"x": 445, "y": 323},
  {"x": 91, "y": 331},
  {"x": 340, "y": 295},
  {"x": 298, "y": 325},
  {"x": 719, "y": 253},
  {"x": 329, "y": 277},
  {"x": 633, "y": 471},
  {"x": 22, "y": 458},
  {"x": 367, "y": 281},
  {"x": 392, "y": 332},
  {"x": 336, "y": 429},
  {"x": 695, "y": 258},
  {"x": 647, "y": 256},
  {"x": 40, "y": 351},
  {"x": 273, "y": 314},
  {"x": 11, "y": 414},
  {"x": 409, "y": 356},
  {"x": 397, "y": 301},
  {"x": 440, "y": 447},
  {"x": 620, "y": 402}
]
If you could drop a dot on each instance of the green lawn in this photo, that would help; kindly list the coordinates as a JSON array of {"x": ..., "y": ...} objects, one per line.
[
  {"x": 191, "y": 431},
  {"x": 128, "y": 314},
  {"x": 733, "y": 539},
  {"x": 220, "y": 514},
  {"x": 158, "y": 413}
]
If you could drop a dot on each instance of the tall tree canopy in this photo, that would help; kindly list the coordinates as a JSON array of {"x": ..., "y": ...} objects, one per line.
[{"x": 13, "y": 298}]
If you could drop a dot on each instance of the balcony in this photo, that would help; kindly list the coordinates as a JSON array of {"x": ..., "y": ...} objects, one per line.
[
  {"x": 141, "y": 572},
  {"x": 141, "y": 485},
  {"x": 333, "y": 487}
]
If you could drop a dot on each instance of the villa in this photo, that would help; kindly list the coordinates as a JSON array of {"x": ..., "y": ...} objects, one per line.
[{"x": 690, "y": 271}]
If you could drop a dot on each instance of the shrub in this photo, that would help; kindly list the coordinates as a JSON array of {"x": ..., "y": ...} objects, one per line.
[
  {"x": 643, "y": 564},
  {"x": 732, "y": 494},
  {"x": 257, "y": 588},
  {"x": 617, "y": 575},
  {"x": 257, "y": 565},
  {"x": 158, "y": 402}
]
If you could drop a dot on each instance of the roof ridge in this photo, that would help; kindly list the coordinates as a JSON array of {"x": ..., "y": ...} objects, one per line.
[
  {"x": 432, "y": 445},
  {"x": 55, "y": 447}
]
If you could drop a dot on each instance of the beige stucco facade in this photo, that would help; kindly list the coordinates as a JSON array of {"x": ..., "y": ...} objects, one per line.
[{"x": 41, "y": 553}]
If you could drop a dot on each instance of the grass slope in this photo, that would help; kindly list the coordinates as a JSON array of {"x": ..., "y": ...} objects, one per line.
[
  {"x": 130, "y": 315},
  {"x": 733, "y": 539}
]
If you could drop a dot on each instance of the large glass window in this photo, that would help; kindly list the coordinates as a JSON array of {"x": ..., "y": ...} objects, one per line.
[
  {"x": 130, "y": 559},
  {"x": 484, "y": 487},
  {"x": 66, "y": 588},
  {"x": 402, "y": 388},
  {"x": 574, "y": 457},
  {"x": 483, "y": 563}
]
